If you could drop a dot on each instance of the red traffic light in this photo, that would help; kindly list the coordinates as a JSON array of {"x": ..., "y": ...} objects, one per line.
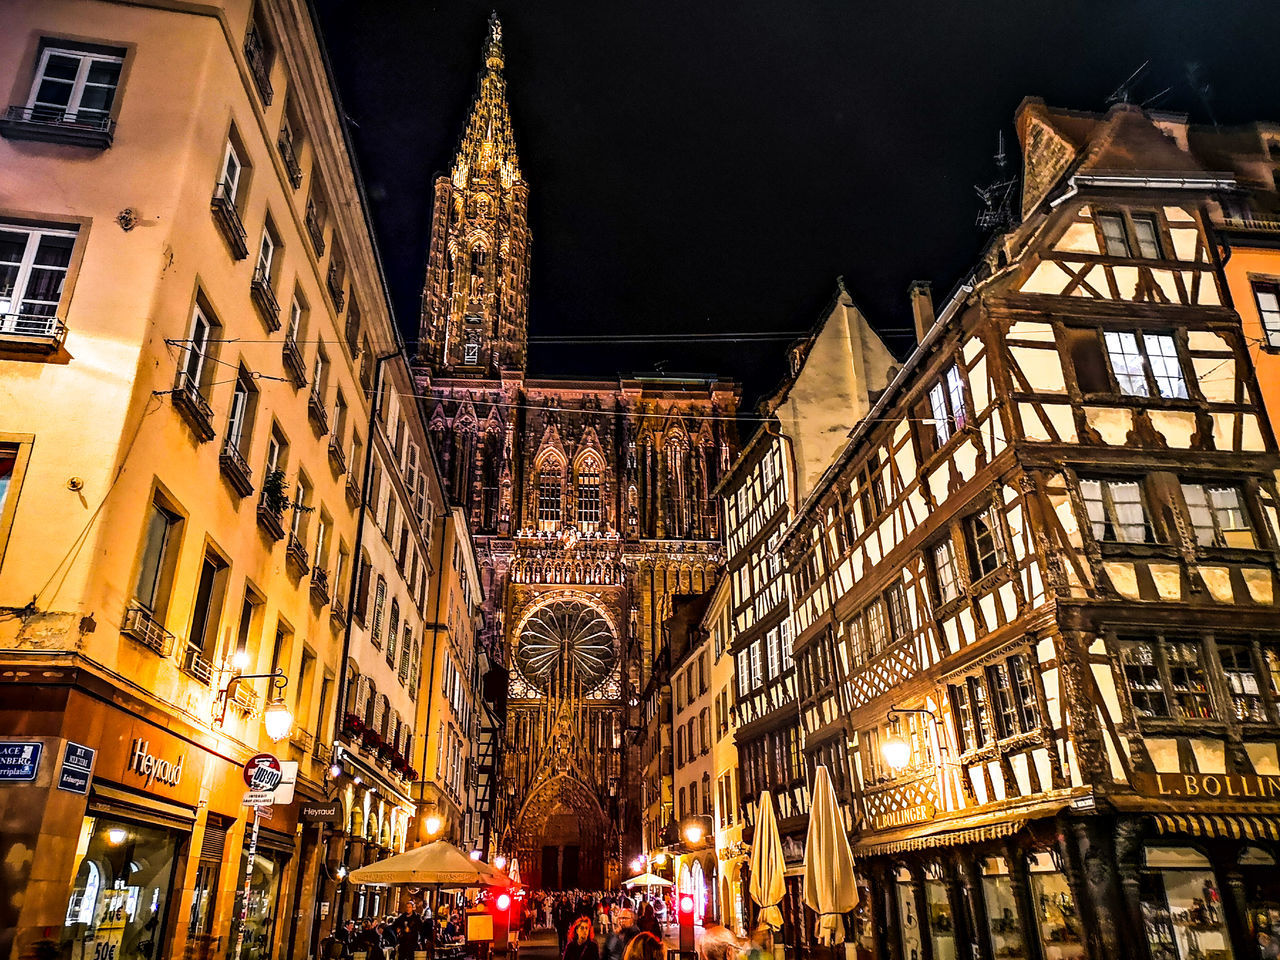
[
  {"x": 503, "y": 902},
  {"x": 686, "y": 904}
]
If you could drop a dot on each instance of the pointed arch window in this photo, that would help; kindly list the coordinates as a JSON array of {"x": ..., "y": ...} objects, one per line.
[
  {"x": 550, "y": 494},
  {"x": 589, "y": 505}
]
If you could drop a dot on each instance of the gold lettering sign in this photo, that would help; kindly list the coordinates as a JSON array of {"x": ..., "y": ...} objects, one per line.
[
  {"x": 1214, "y": 786},
  {"x": 902, "y": 818}
]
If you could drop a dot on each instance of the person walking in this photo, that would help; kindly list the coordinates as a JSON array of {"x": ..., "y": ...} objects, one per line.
[{"x": 582, "y": 941}]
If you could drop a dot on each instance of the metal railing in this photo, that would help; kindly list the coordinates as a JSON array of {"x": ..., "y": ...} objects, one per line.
[
  {"x": 191, "y": 402},
  {"x": 195, "y": 664},
  {"x": 336, "y": 454},
  {"x": 264, "y": 298},
  {"x": 314, "y": 220},
  {"x": 228, "y": 220},
  {"x": 293, "y": 365},
  {"x": 141, "y": 625},
  {"x": 258, "y": 66},
  {"x": 236, "y": 467},
  {"x": 319, "y": 416},
  {"x": 291, "y": 163},
  {"x": 320, "y": 585},
  {"x": 86, "y": 128}
]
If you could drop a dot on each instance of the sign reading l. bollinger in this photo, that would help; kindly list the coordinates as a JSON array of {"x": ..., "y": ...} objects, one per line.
[{"x": 1216, "y": 786}]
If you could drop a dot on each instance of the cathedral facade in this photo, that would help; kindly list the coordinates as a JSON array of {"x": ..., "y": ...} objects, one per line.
[{"x": 590, "y": 501}]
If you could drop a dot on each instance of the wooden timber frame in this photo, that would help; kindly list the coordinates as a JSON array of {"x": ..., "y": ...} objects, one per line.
[{"x": 1056, "y": 532}]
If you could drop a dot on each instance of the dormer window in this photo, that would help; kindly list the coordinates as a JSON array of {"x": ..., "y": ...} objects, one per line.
[{"x": 1139, "y": 237}]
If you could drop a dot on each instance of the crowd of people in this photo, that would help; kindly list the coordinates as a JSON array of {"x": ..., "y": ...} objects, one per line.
[{"x": 394, "y": 937}]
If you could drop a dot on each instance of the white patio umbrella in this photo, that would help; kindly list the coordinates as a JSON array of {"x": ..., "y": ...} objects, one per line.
[
  {"x": 829, "y": 885},
  {"x": 767, "y": 864},
  {"x": 439, "y": 863},
  {"x": 646, "y": 880}
]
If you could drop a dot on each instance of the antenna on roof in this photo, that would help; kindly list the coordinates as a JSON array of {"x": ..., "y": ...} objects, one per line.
[
  {"x": 997, "y": 197},
  {"x": 1202, "y": 88},
  {"x": 1124, "y": 92}
]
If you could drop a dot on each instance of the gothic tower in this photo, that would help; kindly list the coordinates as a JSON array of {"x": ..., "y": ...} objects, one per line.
[{"x": 475, "y": 306}]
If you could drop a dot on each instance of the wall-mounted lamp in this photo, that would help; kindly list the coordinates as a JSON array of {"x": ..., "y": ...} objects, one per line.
[
  {"x": 276, "y": 716},
  {"x": 895, "y": 750}
]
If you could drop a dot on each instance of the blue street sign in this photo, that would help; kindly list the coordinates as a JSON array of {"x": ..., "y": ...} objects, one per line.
[
  {"x": 19, "y": 760},
  {"x": 77, "y": 768}
]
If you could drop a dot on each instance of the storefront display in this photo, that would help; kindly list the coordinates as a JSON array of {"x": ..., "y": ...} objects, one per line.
[
  {"x": 908, "y": 918},
  {"x": 1002, "y": 911},
  {"x": 1182, "y": 906},
  {"x": 120, "y": 890},
  {"x": 1262, "y": 900},
  {"x": 264, "y": 899},
  {"x": 1057, "y": 919},
  {"x": 942, "y": 928}
]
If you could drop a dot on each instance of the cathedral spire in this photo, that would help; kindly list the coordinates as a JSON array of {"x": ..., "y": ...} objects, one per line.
[{"x": 488, "y": 148}]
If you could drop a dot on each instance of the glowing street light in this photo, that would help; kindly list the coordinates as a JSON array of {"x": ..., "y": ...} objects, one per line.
[
  {"x": 500, "y": 862},
  {"x": 693, "y": 833},
  {"x": 433, "y": 824},
  {"x": 637, "y": 864},
  {"x": 277, "y": 719},
  {"x": 116, "y": 836},
  {"x": 896, "y": 751}
]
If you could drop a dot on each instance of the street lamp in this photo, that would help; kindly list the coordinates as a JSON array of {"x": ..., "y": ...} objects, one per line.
[
  {"x": 637, "y": 865},
  {"x": 895, "y": 750},
  {"x": 500, "y": 862},
  {"x": 433, "y": 824},
  {"x": 693, "y": 833},
  {"x": 276, "y": 717}
]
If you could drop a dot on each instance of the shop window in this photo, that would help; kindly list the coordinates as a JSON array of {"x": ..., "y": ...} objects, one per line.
[
  {"x": 1218, "y": 515},
  {"x": 1116, "y": 511},
  {"x": 1166, "y": 679},
  {"x": 1181, "y": 904},
  {"x": 908, "y": 915},
  {"x": 1057, "y": 919},
  {"x": 264, "y": 904},
  {"x": 1003, "y": 923},
  {"x": 121, "y": 890},
  {"x": 942, "y": 928}
]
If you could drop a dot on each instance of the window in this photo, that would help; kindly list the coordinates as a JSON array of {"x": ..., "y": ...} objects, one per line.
[
  {"x": 232, "y": 168},
  {"x": 159, "y": 549},
  {"x": 471, "y": 348},
  {"x": 1016, "y": 711},
  {"x": 1146, "y": 234},
  {"x": 207, "y": 610},
  {"x": 986, "y": 547},
  {"x": 1166, "y": 679},
  {"x": 75, "y": 86},
  {"x": 1116, "y": 511},
  {"x": 969, "y": 706},
  {"x": 1266, "y": 296},
  {"x": 549, "y": 490},
  {"x": 1115, "y": 239},
  {"x": 1242, "y": 682},
  {"x": 946, "y": 404},
  {"x": 1142, "y": 360},
  {"x": 899, "y": 616},
  {"x": 589, "y": 512},
  {"x": 946, "y": 572},
  {"x": 244, "y": 401},
  {"x": 877, "y": 628},
  {"x": 301, "y": 507},
  {"x": 406, "y": 653},
  {"x": 196, "y": 369},
  {"x": 1218, "y": 516},
  {"x": 33, "y": 270},
  {"x": 393, "y": 628},
  {"x": 266, "y": 256},
  {"x": 379, "y": 603},
  {"x": 259, "y": 51}
]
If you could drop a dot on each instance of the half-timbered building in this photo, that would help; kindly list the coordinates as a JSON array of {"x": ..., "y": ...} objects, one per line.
[{"x": 1035, "y": 596}]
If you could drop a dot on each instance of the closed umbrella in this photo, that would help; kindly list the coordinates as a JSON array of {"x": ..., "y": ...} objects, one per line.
[
  {"x": 438, "y": 862},
  {"x": 829, "y": 885},
  {"x": 767, "y": 864}
]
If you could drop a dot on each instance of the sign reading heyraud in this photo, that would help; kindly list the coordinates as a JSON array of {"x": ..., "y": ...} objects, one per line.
[
  {"x": 330, "y": 811},
  {"x": 151, "y": 768},
  {"x": 1215, "y": 786}
]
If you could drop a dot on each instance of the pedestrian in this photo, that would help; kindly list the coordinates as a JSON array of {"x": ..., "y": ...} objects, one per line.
[
  {"x": 648, "y": 922},
  {"x": 624, "y": 931},
  {"x": 644, "y": 946},
  {"x": 717, "y": 942},
  {"x": 760, "y": 944},
  {"x": 408, "y": 931},
  {"x": 582, "y": 941}
]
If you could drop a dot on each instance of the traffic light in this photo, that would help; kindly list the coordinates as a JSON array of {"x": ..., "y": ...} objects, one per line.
[{"x": 685, "y": 910}]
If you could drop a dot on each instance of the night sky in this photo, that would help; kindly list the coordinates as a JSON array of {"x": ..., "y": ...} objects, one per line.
[{"x": 699, "y": 166}]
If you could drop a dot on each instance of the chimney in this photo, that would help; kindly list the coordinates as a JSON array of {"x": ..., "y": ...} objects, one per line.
[{"x": 921, "y": 307}]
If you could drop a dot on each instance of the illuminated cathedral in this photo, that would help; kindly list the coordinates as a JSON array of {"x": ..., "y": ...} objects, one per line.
[{"x": 590, "y": 502}]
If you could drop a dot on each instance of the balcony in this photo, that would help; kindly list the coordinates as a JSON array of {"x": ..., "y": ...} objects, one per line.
[
  {"x": 54, "y": 125},
  {"x": 333, "y": 281},
  {"x": 319, "y": 586},
  {"x": 296, "y": 557},
  {"x": 193, "y": 406},
  {"x": 304, "y": 740},
  {"x": 353, "y": 490},
  {"x": 236, "y": 469},
  {"x": 29, "y": 333},
  {"x": 314, "y": 220},
  {"x": 139, "y": 624},
  {"x": 291, "y": 163},
  {"x": 245, "y": 699},
  {"x": 271, "y": 521},
  {"x": 316, "y": 411},
  {"x": 227, "y": 217},
  {"x": 264, "y": 298},
  {"x": 293, "y": 365},
  {"x": 321, "y": 752},
  {"x": 338, "y": 612},
  {"x": 195, "y": 665},
  {"x": 337, "y": 459},
  {"x": 259, "y": 68}
]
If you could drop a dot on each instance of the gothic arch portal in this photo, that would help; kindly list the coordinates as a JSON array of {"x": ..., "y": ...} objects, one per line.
[{"x": 560, "y": 836}]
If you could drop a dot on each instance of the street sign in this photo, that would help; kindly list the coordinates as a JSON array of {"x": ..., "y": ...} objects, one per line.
[
  {"x": 288, "y": 779},
  {"x": 262, "y": 772},
  {"x": 19, "y": 760},
  {"x": 259, "y": 798},
  {"x": 77, "y": 768},
  {"x": 328, "y": 812}
]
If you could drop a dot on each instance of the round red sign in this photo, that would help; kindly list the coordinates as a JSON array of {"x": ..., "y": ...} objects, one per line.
[{"x": 268, "y": 778}]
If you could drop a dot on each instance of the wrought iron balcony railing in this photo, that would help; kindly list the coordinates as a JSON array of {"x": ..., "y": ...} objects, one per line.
[
  {"x": 258, "y": 66},
  {"x": 80, "y": 128},
  {"x": 193, "y": 406},
  {"x": 195, "y": 664},
  {"x": 30, "y": 332},
  {"x": 141, "y": 625},
  {"x": 293, "y": 363},
  {"x": 337, "y": 457},
  {"x": 227, "y": 217},
  {"x": 291, "y": 164},
  {"x": 264, "y": 298},
  {"x": 314, "y": 220},
  {"x": 235, "y": 468}
]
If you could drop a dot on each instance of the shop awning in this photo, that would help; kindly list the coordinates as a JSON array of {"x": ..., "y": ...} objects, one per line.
[
  {"x": 925, "y": 838},
  {"x": 1233, "y": 826}
]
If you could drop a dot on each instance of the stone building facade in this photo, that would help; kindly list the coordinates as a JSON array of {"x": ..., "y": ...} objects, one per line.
[{"x": 590, "y": 501}]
